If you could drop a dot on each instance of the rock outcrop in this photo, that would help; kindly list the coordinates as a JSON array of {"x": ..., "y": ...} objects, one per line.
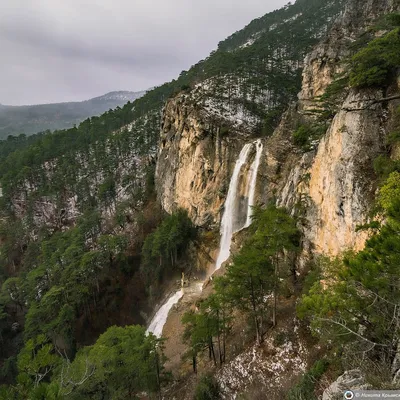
[
  {"x": 195, "y": 161},
  {"x": 350, "y": 380},
  {"x": 323, "y": 63},
  {"x": 336, "y": 185}
]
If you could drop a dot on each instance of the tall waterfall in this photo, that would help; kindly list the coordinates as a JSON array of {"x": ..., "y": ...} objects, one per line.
[
  {"x": 229, "y": 224},
  {"x": 253, "y": 181},
  {"x": 157, "y": 323},
  {"x": 228, "y": 218},
  {"x": 233, "y": 221}
]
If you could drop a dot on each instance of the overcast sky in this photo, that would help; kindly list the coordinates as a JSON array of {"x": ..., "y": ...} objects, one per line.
[{"x": 68, "y": 50}]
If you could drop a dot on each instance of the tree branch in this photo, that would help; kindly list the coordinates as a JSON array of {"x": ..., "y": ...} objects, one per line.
[
  {"x": 372, "y": 102},
  {"x": 351, "y": 331}
]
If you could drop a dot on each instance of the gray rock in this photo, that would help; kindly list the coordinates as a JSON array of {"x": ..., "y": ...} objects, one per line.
[{"x": 350, "y": 380}]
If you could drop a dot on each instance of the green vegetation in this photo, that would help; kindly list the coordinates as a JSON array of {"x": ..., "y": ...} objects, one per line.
[
  {"x": 63, "y": 278},
  {"x": 358, "y": 298},
  {"x": 207, "y": 389},
  {"x": 163, "y": 248},
  {"x": 305, "y": 388},
  {"x": 308, "y": 134},
  {"x": 253, "y": 277},
  {"x": 375, "y": 59},
  {"x": 290, "y": 14},
  {"x": 28, "y": 120},
  {"x": 207, "y": 330},
  {"x": 271, "y": 120},
  {"x": 305, "y": 135},
  {"x": 376, "y": 64},
  {"x": 121, "y": 364},
  {"x": 384, "y": 165}
]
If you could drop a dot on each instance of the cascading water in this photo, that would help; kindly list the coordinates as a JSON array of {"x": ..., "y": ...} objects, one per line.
[
  {"x": 157, "y": 324},
  {"x": 253, "y": 181},
  {"x": 229, "y": 220}
]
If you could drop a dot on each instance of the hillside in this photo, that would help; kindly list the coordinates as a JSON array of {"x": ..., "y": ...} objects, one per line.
[
  {"x": 16, "y": 120},
  {"x": 216, "y": 210}
]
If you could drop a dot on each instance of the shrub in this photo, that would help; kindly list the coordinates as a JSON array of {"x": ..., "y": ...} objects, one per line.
[
  {"x": 207, "y": 389},
  {"x": 305, "y": 388},
  {"x": 384, "y": 166},
  {"x": 375, "y": 64},
  {"x": 301, "y": 136},
  {"x": 224, "y": 130}
]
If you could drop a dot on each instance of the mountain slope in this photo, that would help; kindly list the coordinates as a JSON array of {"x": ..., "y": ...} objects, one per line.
[
  {"x": 243, "y": 90},
  {"x": 15, "y": 120},
  {"x": 256, "y": 81},
  {"x": 77, "y": 204}
]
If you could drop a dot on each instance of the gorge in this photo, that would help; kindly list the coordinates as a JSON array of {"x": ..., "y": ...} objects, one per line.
[
  {"x": 272, "y": 167},
  {"x": 237, "y": 208}
]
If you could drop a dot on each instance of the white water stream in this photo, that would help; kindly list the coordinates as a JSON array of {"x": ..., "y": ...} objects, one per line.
[
  {"x": 228, "y": 227},
  {"x": 253, "y": 181},
  {"x": 157, "y": 324},
  {"x": 229, "y": 224}
]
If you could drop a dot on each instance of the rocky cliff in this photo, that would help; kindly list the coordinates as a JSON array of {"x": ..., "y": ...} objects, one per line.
[
  {"x": 195, "y": 161},
  {"x": 340, "y": 183},
  {"x": 334, "y": 183}
]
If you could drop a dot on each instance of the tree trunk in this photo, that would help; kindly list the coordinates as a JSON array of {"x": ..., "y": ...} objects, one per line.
[
  {"x": 253, "y": 304},
  {"x": 213, "y": 352},
  {"x": 194, "y": 363},
  {"x": 158, "y": 377},
  {"x": 219, "y": 339},
  {"x": 223, "y": 336},
  {"x": 219, "y": 349},
  {"x": 275, "y": 291}
]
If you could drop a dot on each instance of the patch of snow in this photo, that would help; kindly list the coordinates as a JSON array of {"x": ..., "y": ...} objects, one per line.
[{"x": 269, "y": 366}]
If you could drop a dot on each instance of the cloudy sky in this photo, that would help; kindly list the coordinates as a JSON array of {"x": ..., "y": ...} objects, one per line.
[{"x": 68, "y": 50}]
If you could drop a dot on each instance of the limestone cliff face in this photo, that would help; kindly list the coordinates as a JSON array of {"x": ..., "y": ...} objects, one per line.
[
  {"x": 334, "y": 185},
  {"x": 321, "y": 64},
  {"x": 195, "y": 161},
  {"x": 337, "y": 183}
]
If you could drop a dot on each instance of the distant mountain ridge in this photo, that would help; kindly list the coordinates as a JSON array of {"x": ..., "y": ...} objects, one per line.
[{"x": 31, "y": 119}]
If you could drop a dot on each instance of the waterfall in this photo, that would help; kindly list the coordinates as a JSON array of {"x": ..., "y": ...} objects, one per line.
[
  {"x": 229, "y": 216},
  {"x": 229, "y": 223},
  {"x": 157, "y": 323},
  {"x": 253, "y": 181}
]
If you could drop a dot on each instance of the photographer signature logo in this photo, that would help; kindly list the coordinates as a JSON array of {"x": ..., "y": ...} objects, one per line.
[{"x": 348, "y": 395}]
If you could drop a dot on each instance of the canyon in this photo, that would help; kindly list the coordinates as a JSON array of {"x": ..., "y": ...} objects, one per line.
[{"x": 205, "y": 146}]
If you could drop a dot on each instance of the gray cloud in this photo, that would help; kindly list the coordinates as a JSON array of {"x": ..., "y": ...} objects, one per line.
[{"x": 55, "y": 50}]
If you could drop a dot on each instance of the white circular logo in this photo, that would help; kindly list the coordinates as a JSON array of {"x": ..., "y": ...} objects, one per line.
[{"x": 349, "y": 395}]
